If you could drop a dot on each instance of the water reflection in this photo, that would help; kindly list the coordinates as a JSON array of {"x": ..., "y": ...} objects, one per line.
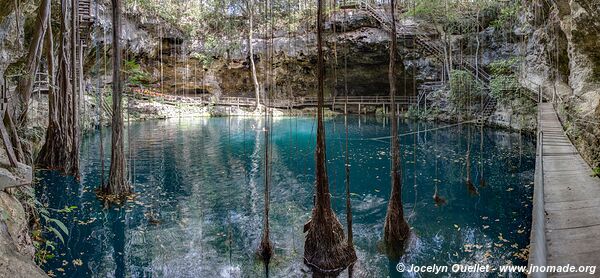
[{"x": 198, "y": 212}]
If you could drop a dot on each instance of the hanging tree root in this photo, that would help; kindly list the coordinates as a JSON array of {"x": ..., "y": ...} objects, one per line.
[
  {"x": 471, "y": 187},
  {"x": 396, "y": 231},
  {"x": 265, "y": 250},
  {"x": 326, "y": 250},
  {"x": 439, "y": 200}
]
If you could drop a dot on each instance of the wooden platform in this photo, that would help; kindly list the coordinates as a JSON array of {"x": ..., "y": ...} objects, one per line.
[
  {"x": 571, "y": 200},
  {"x": 297, "y": 102}
]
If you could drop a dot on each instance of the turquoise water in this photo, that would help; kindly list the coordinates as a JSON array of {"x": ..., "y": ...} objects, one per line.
[{"x": 202, "y": 179}]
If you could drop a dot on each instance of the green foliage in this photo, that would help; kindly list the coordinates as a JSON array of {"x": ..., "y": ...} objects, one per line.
[
  {"x": 204, "y": 59},
  {"x": 413, "y": 112},
  {"x": 464, "y": 89},
  {"x": 596, "y": 172},
  {"x": 136, "y": 75},
  {"x": 456, "y": 17},
  {"x": 508, "y": 15},
  {"x": 503, "y": 67},
  {"x": 503, "y": 87},
  {"x": 46, "y": 225},
  {"x": 222, "y": 25}
]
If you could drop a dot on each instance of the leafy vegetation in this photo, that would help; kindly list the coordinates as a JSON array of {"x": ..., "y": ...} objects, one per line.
[
  {"x": 136, "y": 75},
  {"x": 504, "y": 85},
  {"x": 507, "y": 15},
  {"x": 503, "y": 67},
  {"x": 45, "y": 228},
  {"x": 596, "y": 172},
  {"x": 457, "y": 16},
  {"x": 464, "y": 89},
  {"x": 223, "y": 25}
]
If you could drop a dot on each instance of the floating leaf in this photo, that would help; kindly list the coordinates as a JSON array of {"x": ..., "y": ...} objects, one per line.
[
  {"x": 61, "y": 225},
  {"x": 57, "y": 233},
  {"x": 78, "y": 262}
]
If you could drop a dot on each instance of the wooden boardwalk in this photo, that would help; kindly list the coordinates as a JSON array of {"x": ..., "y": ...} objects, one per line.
[
  {"x": 571, "y": 201},
  {"x": 296, "y": 103}
]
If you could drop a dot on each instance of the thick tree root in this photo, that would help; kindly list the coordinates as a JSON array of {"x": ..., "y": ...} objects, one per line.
[{"x": 326, "y": 250}]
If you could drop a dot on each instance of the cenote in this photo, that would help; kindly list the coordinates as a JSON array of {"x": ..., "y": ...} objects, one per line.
[{"x": 199, "y": 197}]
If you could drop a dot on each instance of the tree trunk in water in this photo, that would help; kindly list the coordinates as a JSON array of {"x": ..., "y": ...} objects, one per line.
[
  {"x": 266, "y": 247},
  {"x": 470, "y": 186},
  {"x": 25, "y": 85},
  {"x": 57, "y": 149},
  {"x": 325, "y": 250},
  {"x": 252, "y": 64},
  {"x": 396, "y": 229},
  {"x": 74, "y": 157},
  {"x": 117, "y": 183}
]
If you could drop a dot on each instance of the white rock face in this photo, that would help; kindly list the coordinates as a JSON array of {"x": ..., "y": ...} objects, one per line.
[
  {"x": 11, "y": 40},
  {"x": 15, "y": 176},
  {"x": 573, "y": 26}
]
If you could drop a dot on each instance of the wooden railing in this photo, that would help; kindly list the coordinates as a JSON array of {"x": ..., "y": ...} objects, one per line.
[
  {"x": 296, "y": 102},
  {"x": 433, "y": 47}
]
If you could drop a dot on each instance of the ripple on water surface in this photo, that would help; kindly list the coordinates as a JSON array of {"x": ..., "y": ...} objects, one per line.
[{"x": 202, "y": 181}]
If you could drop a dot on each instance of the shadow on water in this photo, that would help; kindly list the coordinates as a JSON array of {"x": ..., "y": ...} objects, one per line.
[{"x": 117, "y": 228}]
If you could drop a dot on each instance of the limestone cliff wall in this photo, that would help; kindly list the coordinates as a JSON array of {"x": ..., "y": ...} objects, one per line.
[{"x": 563, "y": 57}]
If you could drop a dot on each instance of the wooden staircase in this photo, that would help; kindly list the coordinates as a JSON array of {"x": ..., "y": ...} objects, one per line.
[
  {"x": 488, "y": 109},
  {"x": 432, "y": 47},
  {"x": 85, "y": 20}
]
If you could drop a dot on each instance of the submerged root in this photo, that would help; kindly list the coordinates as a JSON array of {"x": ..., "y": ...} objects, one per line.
[
  {"x": 265, "y": 250},
  {"x": 108, "y": 198},
  {"x": 326, "y": 250},
  {"x": 152, "y": 217},
  {"x": 471, "y": 187},
  {"x": 396, "y": 231},
  {"x": 482, "y": 182},
  {"x": 439, "y": 200}
]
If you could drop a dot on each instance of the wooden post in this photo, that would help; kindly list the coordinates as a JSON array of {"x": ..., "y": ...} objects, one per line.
[
  {"x": 346, "y": 108},
  {"x": 359, "y": 108}
]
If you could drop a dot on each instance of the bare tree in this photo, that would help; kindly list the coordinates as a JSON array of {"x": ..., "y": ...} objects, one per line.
[
  {"x": 74, "y": 157},
  {"x": 117, "y": 186},
  {"x": 25, "y": 85},
  {"x": 58, "y": 148},
  {"x": 251, "y": 47},
  {"x": 325, "y": 250},
  {"x": 396, "y": 229}
]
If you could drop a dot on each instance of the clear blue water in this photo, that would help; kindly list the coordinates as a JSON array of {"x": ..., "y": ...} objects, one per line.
[{"x": 203, "y": 180}]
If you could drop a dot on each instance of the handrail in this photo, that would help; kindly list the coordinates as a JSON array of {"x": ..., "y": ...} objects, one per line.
[
  {"x": 433, "y": 48},
  {"x": 538, "y": 248}
]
